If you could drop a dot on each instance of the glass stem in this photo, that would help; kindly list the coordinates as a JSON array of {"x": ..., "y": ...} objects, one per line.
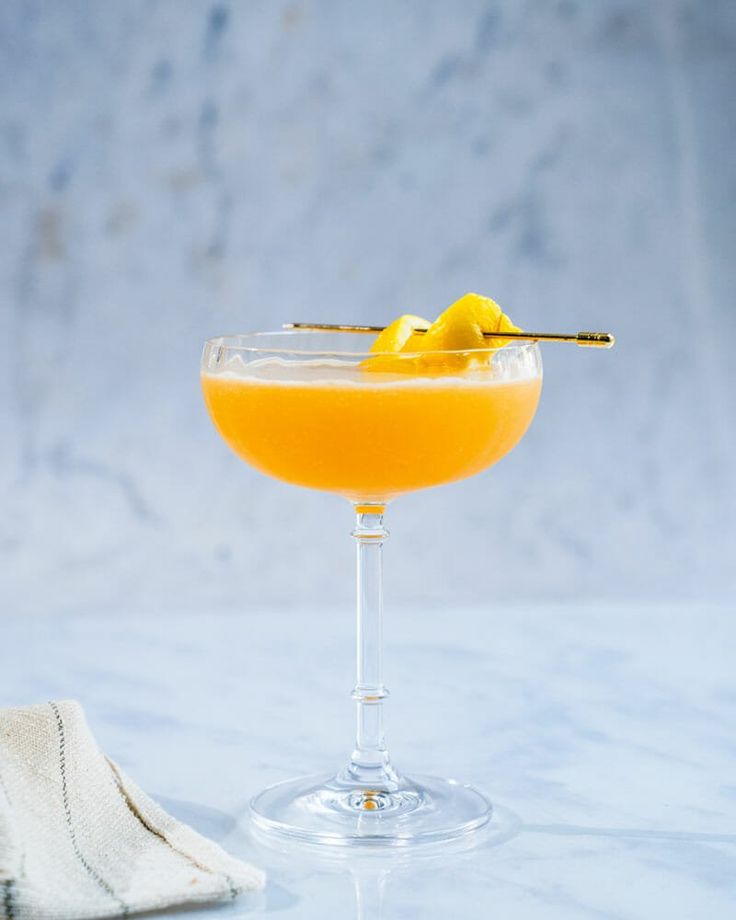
[{"x": 370, "y": 765}]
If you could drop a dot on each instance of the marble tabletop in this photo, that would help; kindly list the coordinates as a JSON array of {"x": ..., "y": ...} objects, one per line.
[{"x": 606, "y": 738}]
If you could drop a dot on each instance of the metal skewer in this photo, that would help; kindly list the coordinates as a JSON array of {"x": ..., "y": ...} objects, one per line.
[{"x": 584, "y": 339}]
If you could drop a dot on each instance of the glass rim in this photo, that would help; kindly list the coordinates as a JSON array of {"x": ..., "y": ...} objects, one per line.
[{"x": 230, "y": 342}]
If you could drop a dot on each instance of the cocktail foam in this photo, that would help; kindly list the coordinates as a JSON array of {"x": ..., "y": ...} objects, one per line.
[{"x": 341, "y": 372}]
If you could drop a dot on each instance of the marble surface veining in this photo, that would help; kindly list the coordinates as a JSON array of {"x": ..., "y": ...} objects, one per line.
[
  {"x": 604, "y": 735},
  {"x": 170, "y": 171}
]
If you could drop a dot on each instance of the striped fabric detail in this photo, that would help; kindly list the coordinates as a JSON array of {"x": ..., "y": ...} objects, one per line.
[
  {"x": 7, "y": 902},
  {"x": 93, "y": 874}
]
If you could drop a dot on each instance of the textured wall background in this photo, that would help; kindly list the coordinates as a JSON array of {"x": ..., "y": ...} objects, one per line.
[{"x": 173, "y": 170}]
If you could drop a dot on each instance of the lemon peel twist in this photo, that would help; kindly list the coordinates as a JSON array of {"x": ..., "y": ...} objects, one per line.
[{"x": 458, "y": 329}]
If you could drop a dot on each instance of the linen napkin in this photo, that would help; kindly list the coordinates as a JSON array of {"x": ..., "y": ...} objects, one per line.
[{"x": 79, "y": 839}]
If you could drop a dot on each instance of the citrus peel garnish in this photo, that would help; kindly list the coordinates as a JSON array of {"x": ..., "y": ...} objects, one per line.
[
  {"x": 394, "y": 339},
  {"x": 459, "y": 329}
]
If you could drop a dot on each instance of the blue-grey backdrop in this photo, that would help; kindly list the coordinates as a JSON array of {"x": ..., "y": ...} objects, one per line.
[{"x": 173, "y": 170}]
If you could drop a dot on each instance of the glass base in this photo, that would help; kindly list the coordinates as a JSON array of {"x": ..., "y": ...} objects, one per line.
[{"x": 325, "y": 810}]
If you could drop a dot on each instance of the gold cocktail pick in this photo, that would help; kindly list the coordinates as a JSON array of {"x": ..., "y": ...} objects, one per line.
[{"x": 584, "y": 339}]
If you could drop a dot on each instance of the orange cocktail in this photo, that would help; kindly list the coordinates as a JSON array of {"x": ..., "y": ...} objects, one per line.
[
  {"x": 370, "y": 421},
  {"x": 370, "y": 439}
]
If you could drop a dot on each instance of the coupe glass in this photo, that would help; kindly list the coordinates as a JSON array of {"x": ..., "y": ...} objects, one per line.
[{"x": 319, "y": 410}]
